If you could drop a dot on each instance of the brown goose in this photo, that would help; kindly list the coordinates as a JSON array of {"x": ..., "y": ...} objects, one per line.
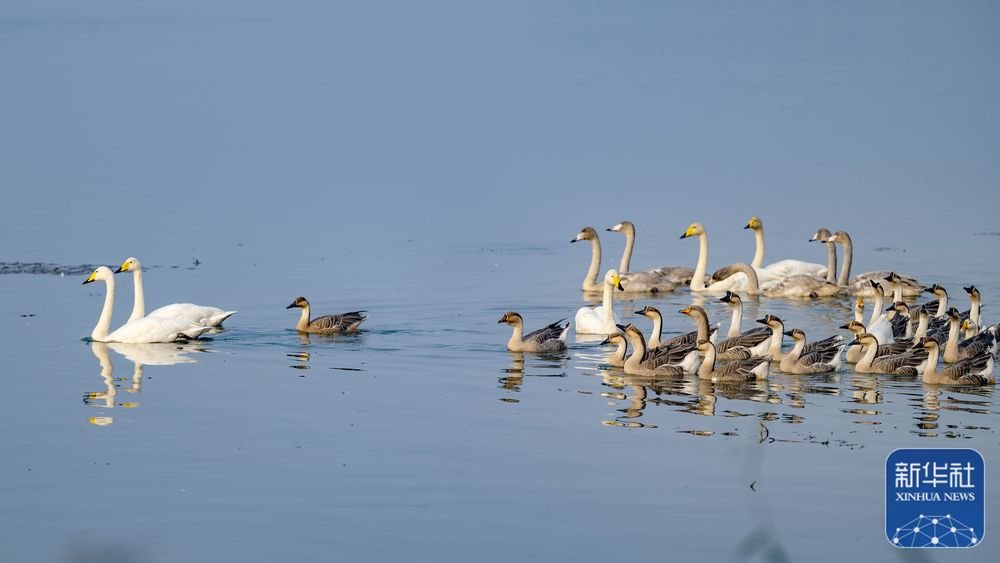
[
  {"x": 823, "y": 360},
  {"x": 658, "y": 362},
  {"x": 909, "y": 362},
  {"x": 551, "y": 338},
  {"x": 328, "y": 324},
  {"x": 977, "y": 370},
  {"x": 750, "y": 369}
]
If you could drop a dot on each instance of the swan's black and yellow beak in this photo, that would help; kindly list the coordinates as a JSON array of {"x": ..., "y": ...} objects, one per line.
[
  {"x": 685, "y": 311},
  {"x": 123, "y": 267},
  {"x": 91, "y": 278},
  {"x": 616, "y": 281}
]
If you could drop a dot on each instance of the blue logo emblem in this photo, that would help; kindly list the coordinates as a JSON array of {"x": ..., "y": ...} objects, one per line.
[{"x": 935, "y": 498}]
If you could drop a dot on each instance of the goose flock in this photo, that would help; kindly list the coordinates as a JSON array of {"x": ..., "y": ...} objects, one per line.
[
  {"x": 933, "y": 340},
  {"x": 930, "y": 340}
]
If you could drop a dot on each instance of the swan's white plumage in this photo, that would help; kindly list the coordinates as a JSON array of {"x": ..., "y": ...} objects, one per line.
[
  {"x": 200, "y": 314},
  {"x": 600, "y": 319},
  {"x": 146, "y": 329}
]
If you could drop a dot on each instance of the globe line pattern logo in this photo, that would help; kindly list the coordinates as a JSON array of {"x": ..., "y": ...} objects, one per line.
[{"x": 935, "y": 531}]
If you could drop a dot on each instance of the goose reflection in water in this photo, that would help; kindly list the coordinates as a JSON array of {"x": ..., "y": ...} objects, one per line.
[
  {"x": 548, "y": 364},
  {"x": 140, "y": 355}
]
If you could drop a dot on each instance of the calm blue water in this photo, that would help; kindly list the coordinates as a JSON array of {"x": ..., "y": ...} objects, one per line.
[{"x": 429, "y": 163}]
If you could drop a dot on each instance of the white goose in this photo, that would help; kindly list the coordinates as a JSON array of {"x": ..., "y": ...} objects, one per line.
[
  {"x": 665, "y": 278},
  {"x": 146, "y": 329},
  {"x": 600, "y": 319},
  {"x": 201, "y": 314}
]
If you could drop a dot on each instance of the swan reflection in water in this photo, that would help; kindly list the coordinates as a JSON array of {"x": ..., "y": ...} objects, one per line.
[{"x": 140, "y": 355}]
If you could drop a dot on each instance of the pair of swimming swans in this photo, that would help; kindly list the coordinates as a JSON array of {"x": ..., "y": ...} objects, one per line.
[
  {"x": 657, "y": 280},
  {"x": 179, "y": 321},
  {"x": 744, "y": 277}
]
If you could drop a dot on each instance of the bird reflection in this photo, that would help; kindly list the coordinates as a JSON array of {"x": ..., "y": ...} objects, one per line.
[
  {"x": 515, "y": 373},
  {"x": 140, "y": 355},
  {"x": 865, "y": 389},
  {"x": 927, "y": 417}
]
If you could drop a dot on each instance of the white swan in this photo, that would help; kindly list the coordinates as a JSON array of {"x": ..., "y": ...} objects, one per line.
[
  {"x": 859, "y": 285},
  {"x": 600, "y": 319},
  {"x": 664, "y": 278},
  {"x": 781, "y": 268},
  {"x": 201, "y": 314},
  {"x": 146, "y": 329}
]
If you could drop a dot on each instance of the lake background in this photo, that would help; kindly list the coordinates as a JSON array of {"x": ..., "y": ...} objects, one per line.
[{"x": 430, "y": 163}]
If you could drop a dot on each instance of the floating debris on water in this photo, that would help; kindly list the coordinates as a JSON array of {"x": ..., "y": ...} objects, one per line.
[{"x": 43, "y": 268}]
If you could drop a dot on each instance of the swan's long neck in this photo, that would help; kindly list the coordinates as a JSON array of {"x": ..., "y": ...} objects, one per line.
[
  {"x": 606, "y": 302},
  {"x": 845, "y": 268},
  {"x": 698, "y": 279},
  {"x": 736, "y": 325},
  {"x": 758, "y": 255},
  {"x": 139, "y": 307},
  {"x": 100, "y": 332},
  {"x": 897, "y": 291},
  {"x": 877, "y": 311},
  {"x": 657, "y": 334},
  {"x": 859, "y": 314},
  {"x": 707, "y": 364},
  {"x": 831, "y": 262},
  {"x": 951, "y": 347},
  {"x": 303, "y": 323},
  {"x": 627, "y": 254},
  {"x": 590, "y": 282},
  {"x": 516, "y": 338}
]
